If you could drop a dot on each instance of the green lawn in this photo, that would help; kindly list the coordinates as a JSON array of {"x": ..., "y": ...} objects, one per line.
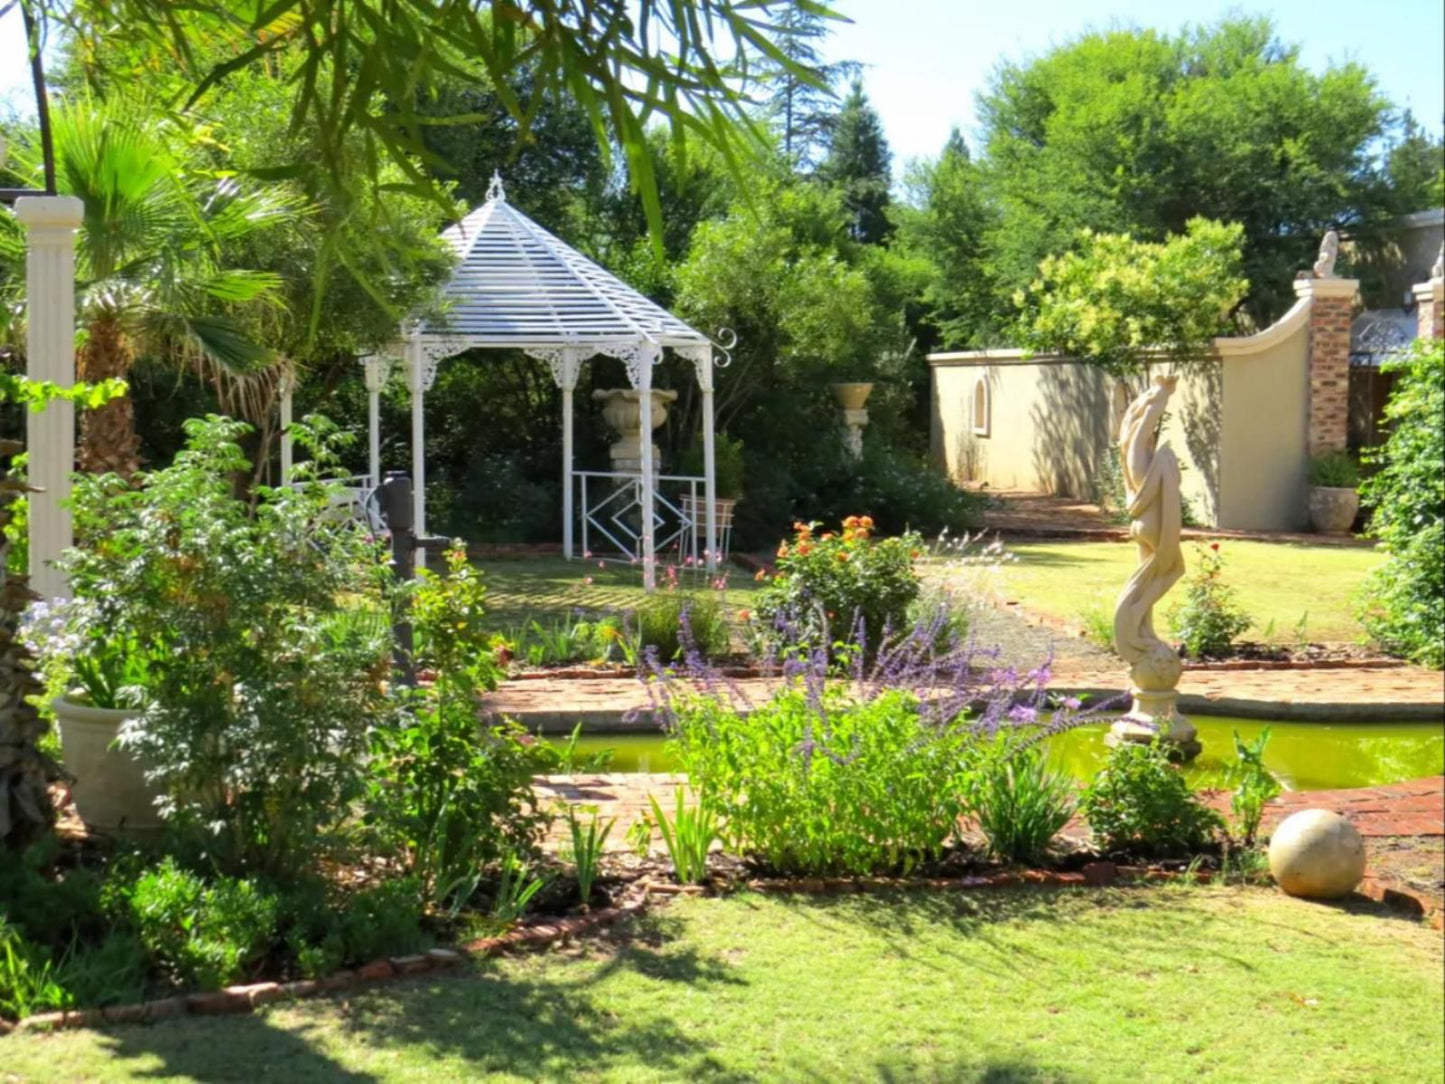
[
  {"x": 552, "y": 588},
  {"x": 1161, "y": 984},
  {"x": 1277, "y": 583}
]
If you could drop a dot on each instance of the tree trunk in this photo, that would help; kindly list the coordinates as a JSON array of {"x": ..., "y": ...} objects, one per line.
[
  {"x": 108, "y": 440},
  {"x": 25, "y": 772}
]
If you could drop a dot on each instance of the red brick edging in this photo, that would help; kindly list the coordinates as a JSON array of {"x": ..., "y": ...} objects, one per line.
[{"x": 244, "y": 998}]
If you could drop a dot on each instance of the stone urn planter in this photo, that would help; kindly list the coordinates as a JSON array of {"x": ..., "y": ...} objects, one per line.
[
  {"x": 852, "y": 396},
  {"x": 622, "y": 411},
  {"x": 1333, "y": 508},
  {"x": 110, "y": 790}
]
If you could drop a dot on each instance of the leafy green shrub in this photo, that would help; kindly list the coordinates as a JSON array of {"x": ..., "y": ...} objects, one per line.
[
  {"x": 1336, "y": 469},
  {"x": 202, "y": 934},
  {"x": 27, "y": 976},
  {"x": 255, "y": 726},
  {"x": 728, "y": 465},
  {"x": 1209, "y": 619},
  {"x": 850, "y": 788},
  {"x": 659, "y": 621},
  {"x": 1254, "y": 785},
  {"x": 585, "y": 850},
  {"x": 383, "y": 919},
  {"x": 827, "y": 585},
  {"x": 1141, "y": 802},
  {"x": 688, "y": 835},
  {"x": 1020, "y": 804},
  {"x": 1404, "y": 608}
]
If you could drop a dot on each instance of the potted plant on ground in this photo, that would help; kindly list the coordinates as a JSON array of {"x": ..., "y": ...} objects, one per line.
[
  {"x": 1334, "y": 497},
  {"x": 99, "y": 674},
  {"x": 728, "y": 483}
]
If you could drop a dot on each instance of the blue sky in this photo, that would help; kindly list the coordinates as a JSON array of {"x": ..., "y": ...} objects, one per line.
[{"x": 927, "y": 59}]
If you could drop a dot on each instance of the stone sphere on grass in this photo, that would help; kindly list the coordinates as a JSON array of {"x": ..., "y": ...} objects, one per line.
[{"x": 1317, "y": 854}]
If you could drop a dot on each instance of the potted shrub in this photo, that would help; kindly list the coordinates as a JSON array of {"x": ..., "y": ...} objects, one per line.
[
  {"x": 101, "y": 674},
  {"x": 1334, "y": 498},
  {"x": 728, "y": 468}
]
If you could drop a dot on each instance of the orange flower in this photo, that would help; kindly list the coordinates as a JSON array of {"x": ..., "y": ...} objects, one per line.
[
  {"x": 914, "y": 554},
  {"x": 827, "y": 535},
  {"x": 783, "y": 549},
  {"x": 803, "y": 529},
  {"x": 842, "y": 555},
  {"x": 760, "y": 576},
  {"x": 866, "y": 522},
  {"x": 743, "y": 615},
  {"x": 851, "y": 521},
  {"x": 804, "y": 548}
]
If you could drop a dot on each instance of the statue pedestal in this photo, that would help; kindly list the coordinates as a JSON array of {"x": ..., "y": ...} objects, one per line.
[
  {"x": 1155, "y": 717},
  {"x": 1155, "y": 714}
]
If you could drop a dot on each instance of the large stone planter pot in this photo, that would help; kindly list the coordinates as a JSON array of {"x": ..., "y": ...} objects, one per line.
[
  {"x": 852, "y": 396},
  {"x": 110, "y": 790},
  {"x": 622, "y": 411},
  {"x": 1333, "y": 508}
]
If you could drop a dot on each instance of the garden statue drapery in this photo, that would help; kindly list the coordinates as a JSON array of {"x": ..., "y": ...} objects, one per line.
[{"x": 1152, "y": 490}]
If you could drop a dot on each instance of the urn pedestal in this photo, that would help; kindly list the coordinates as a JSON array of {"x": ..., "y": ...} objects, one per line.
[{"x": 622, "y": 410}]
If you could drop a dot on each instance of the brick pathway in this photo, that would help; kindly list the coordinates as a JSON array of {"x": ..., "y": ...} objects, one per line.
[{"x": 1399, "y": 693}]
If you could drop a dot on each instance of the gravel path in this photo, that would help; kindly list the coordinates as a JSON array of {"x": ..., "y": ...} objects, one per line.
[{"x": 1023, "y": 644}]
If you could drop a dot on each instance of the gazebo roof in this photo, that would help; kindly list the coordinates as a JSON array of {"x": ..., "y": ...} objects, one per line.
[{"x": 517, "y": 285}]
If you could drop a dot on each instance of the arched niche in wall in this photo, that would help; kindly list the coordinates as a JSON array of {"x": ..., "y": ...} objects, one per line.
[{"x": 981, "y": 407}]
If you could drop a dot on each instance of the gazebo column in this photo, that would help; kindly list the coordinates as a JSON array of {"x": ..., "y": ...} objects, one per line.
[
  {"x": 703, "y": 365},
  {"x": 646, "y": 355},
  {"x": 376, "y": 368},
  {"x": 571, "y": 362}
]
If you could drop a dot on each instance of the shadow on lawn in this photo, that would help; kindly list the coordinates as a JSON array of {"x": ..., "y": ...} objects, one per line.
[{"x": 489, "y": 1019}]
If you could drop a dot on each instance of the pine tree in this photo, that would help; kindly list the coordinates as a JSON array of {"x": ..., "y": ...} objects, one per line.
[
  {"x": 803, "y": 111},
  {"x": 860, "y": 163}
]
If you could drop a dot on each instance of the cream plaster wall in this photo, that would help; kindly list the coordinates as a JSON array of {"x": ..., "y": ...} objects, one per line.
[{"x": 1237, "y": 423}]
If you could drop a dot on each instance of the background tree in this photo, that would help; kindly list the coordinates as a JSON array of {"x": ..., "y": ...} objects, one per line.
[
  {"x": 1136, "y": 131},
  {"x": 802, "y": 110},
  {"x": 859, "y": 164},
  {"x": 1116, "y": 302}
]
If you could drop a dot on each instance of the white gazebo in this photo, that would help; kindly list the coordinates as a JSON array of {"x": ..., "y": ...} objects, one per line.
[{"x": 517, "y": 286}]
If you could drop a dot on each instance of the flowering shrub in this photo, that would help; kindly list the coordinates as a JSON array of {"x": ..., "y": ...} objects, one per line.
[
  {"x": 862, "y": 775},
  {"x": 1209, "y": 619},
  {"x": 835, "y": 586},
  {"x": 263, "y": 679}
]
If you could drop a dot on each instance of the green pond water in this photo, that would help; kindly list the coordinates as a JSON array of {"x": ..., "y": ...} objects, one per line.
[{"x": 1304, "y": 756}]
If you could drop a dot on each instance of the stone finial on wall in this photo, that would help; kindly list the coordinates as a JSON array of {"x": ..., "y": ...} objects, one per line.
[
  {"x": 1430, "y": 302},
  {"x": 1329, "y": 252},
  {"x": 1332, "y": 302}
]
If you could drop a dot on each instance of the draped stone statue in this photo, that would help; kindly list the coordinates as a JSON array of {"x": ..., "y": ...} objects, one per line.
[
  {"x": 1151, "y": 488},
  {"x": 1329, "y": 253}
]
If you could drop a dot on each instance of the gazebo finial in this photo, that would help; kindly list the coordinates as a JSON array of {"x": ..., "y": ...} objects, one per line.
[{"x": 495, "y": 190}]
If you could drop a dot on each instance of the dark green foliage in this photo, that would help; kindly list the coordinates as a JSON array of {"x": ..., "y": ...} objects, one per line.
[
  {"x": 1020, "y": 804},
  {"x": 1209, "y": 619},
  {"x": 383, "y": 919},
  {"x": 859, "y": 788},
  {"x": 205, "y": 934},
  {"x": 688, "y": 834},
  {"x": 1404, "y": 608},
  {"x": 802, "y": 109},
  {"x": 1140, "y": 802},
  {"x": 859, "y": 165},
  {"x": 728, "y": 463},
  {"x": 1337, "y": 469}
]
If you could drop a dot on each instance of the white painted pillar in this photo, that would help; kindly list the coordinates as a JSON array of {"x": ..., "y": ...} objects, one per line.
[
  {"x": 376, "y": 368},
  {"x": 646, "y": 356},
  {"x": 416, "y": 382},
  {"x": 571, "y": 362},
  {"x": 709, "y": 456},
  {"x": 50, "y": 223},
  {"x": 287, "y": 445}
]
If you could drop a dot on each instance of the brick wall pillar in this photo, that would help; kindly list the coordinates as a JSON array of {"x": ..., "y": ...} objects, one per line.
[
  {"x": 1332, "y": 303},
  {"x": 1430, "y": 309}
]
